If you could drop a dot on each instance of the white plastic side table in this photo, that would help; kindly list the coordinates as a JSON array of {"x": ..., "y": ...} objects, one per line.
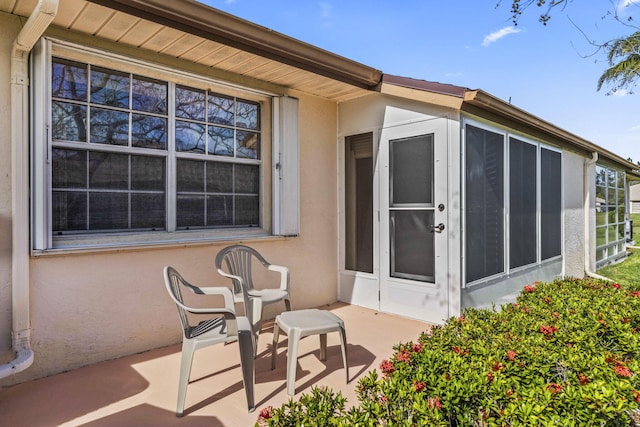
[{"x": 301, "y": 323}]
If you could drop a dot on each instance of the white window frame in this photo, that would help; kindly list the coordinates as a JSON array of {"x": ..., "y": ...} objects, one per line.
[
  {"x": 612, "y": 250},
  {"x": 279, "y": 199},
  {"x": 507, "y": 133}
]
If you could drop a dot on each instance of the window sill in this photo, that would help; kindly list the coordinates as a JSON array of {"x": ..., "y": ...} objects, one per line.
[{"x": 122, "y": 242}]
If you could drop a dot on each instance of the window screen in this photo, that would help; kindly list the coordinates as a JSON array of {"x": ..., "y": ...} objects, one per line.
[
  {"x": 484, "y": 169},
  {"x": 550, "y": 203},
  {"x": 522, "y": 203}
]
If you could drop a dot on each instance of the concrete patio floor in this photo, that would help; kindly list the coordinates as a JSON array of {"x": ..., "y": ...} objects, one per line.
[{"x": 140, "y": 390}]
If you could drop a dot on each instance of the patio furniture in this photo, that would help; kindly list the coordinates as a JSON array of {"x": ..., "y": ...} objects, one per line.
[
  {"x": 224, "y": 327},
  {"x": 239, "y": 261},
  {"x": 301, "y": 323}
]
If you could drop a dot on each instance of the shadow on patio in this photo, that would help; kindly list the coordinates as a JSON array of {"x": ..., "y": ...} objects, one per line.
[{"x": 140, "y": 390}]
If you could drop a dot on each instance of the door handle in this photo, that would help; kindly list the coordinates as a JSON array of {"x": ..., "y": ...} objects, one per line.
[{"x": 437, "y": 228}]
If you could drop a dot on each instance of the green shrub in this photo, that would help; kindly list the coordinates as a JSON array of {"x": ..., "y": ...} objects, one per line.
[{"x": 565, "y": 354}]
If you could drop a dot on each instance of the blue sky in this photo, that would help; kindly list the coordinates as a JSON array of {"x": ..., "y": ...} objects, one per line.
[{"x": 550, "y": 71}]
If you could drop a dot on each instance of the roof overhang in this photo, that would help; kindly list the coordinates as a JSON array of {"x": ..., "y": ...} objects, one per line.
[
  {"x": 496, "y": 106},
  {"x": 212, "y": 24}
]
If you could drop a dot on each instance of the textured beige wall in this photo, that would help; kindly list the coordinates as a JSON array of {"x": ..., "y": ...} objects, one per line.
[
  {"x": 86, "y": 308},
  {"x": 574, "y": 225},
  {"x": 9, "y": 28}
]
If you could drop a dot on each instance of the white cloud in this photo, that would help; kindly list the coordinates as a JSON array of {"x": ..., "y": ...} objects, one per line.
[
  {"x": 635, "y": 128},
  {"x": 325, "y": 10},
  {"x": 620, "y": 93},
  {"x": 497, "y": 35}
]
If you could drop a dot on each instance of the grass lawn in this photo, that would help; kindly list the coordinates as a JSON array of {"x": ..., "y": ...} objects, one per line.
[
  {"x": 636, "y": 227},
  {"x": 626, "y": 272}
]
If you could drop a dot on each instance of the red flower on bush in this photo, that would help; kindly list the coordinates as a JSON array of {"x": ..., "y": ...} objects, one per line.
[
  {"x": 554, "y": 388},
  {"x": 387, "y": 367},
  {"x": 635, "y": 293},
  {"x": 616, "y": 286},
  {"x": 417, "y": 348},
  {"x": 403, "y": 356},
  {"x": 622, "y": 370},
  {"x": 458, "y": 350},
  {"x": 490, "y": 377},
  {"x": 636, "y": 396},
  {"x": 266, "y": 413},
  {"x": 583, "y": 379},
  {"x": 530, "y": 288},
  {"x": 511, "y": 354},
  {"x": 497, "y": 366},
  {"x": 509, "y": 392},
  {"x": 548, "y": 330},
  {"x": 434, "y": 402},
  {"x": 419, "y": 386}
]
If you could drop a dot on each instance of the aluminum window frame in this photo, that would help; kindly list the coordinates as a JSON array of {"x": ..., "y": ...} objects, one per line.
[{"x": 508, "y": 133}]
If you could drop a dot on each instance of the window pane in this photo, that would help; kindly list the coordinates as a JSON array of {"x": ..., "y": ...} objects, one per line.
[
  {"x": 611, "y": 197},
  {"x": 69, "y": 80},
  {"x": 601, "y": 176},
  {"x": 485, "y": 203},
  {"x": 219, "y": 177},
  {"x": 621, "y": 180},
  {"x": 69, "y": 211},
  {"x": 109, "y": 87},
  {"x": 248, "y": 145},
  {"x": 412, "y": 245},
  {"x": 612, "y": 233},
  {"x": 109, "y": 127},
  {"x": 148, "y": 211},
  {"x": 247, "y": 179},
  {"x": 601, "y": 215},
  {"x": 108, "y": 171},
  {"x": 220, "y": 141},
  {"x": 601, "y": 236},
  {"x": 147, "y": 173},
  {"x": 190, "y": 103},
  {"x": 69, "y": 168},
  {"x": 248, "y": 115},
  {"x": 149, "y": 95},
  {"x": 413, "y": 176},
  {"x": 601, "y": 254},
  {"x": 190, "y": 175},
  {"x": 219, "y": 210},
  {"x": 108, "y": 211},
  {"x": 68, "y": 122},
  {"x": 148, "y": 131},
  {"x": 190, "y": 137},
  {"x": 190, "y": 211},
  {"x": 551, "y": 203},
  {"x": 523, "y": 203},
  {"x": 247, "y": 211},
  {"x": 612, "y": 179},
  {"x": 220, "y": 109},
  {"x": 620, "y": 232}
]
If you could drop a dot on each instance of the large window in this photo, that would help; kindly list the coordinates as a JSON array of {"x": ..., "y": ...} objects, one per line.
[
  {"x": 136, "y": 150},
  {"x": 110, "y": 143},
  {"x": 513, "y": 203},
  {"x": 610, "y": 214}
]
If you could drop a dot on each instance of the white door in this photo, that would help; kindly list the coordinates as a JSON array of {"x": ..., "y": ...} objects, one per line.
[{"x": 413, "y": 225}]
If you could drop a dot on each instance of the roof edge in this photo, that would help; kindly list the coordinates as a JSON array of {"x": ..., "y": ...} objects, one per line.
[
  {"x": 424, "y": 85},
  {"x": 213, "y": 24},
  {"x": 491, "y": 103}
]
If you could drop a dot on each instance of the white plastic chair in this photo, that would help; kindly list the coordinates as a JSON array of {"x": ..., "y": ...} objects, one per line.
[
  {"x": 222, "y": 328},
  {"x": 238, "y": 260}
]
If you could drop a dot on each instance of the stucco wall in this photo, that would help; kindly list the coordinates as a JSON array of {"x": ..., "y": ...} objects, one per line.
[
  {"x": 9, "y": 28},
  {"x": 574, "y": 218},
  {"x": 91, "y": 307}
]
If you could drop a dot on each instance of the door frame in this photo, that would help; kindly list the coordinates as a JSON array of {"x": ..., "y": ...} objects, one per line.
[{"x": 423, "y": 300}]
